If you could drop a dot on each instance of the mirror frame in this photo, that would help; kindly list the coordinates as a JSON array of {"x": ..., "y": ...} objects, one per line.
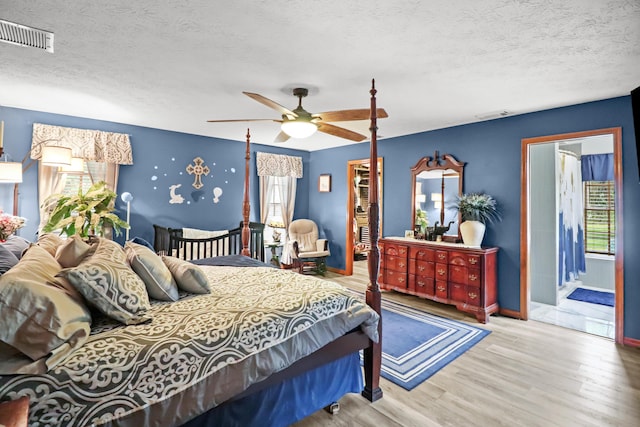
[{"x": 428, "y": 163}]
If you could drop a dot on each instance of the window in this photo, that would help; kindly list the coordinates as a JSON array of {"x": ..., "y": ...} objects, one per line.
[
  {"x": 274, "y": 217},
  {"x": 93, "y": 172},
  {"x": 600, "y": 216}
]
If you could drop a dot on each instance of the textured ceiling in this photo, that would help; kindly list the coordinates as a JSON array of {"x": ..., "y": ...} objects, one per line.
[{"x": 436, "y": 64}]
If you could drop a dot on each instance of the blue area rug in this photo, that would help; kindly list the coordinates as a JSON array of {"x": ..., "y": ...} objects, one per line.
[
  {"x": 415, "y": 344},
  {"x": 594, "y": 297}
]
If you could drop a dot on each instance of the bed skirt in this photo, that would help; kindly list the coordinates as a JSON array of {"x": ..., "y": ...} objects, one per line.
[{"x": 291, "y": 400}]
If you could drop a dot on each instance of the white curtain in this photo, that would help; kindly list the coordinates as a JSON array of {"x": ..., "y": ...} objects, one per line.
[
  {"x": 571, "y": 260},
  {"x": 283, "y": 171}
]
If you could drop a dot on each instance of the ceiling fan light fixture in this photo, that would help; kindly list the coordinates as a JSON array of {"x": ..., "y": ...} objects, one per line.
[{"x": 299, "y": 128}]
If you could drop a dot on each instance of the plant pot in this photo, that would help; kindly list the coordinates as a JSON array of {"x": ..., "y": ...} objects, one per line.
[{"x": 472, "y": 233}]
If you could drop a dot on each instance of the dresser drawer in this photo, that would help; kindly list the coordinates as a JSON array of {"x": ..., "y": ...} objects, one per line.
[
  {"x": 464, "y": 259},
  {"x": 464, "y": 275},
  {"x": 395, "y": 279},
  {"x": 422, "y": 285},
  {"x": 395, "y": 263},
  {"x": 442, "y": 256},
  {"x": 396, "y": 250},
  {"x": 441, "y": 289},
  {"x": 421, "y": 254},
  {"x": 422, "y": 268},
  {"x": 466, "y": 294},
  {"x": 441, "y": 271}
]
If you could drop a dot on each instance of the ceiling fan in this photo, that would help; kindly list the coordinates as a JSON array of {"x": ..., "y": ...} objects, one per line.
[{"x": 299, "y": 123}]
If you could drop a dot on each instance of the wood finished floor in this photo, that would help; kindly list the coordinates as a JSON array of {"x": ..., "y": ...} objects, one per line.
[{"x": 522, "y": 374}]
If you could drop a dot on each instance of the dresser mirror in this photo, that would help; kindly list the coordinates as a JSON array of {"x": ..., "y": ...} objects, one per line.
[{"x": 436, "y": 183}]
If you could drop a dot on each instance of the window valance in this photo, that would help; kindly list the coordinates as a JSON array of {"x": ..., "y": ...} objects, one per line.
[
  {"x": 597, "y": 167},
  {"x": 92, "y": 145},
  {"x": 269, "y": 164}
]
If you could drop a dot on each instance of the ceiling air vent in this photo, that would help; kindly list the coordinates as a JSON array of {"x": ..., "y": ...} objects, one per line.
[{"x": 21, "y": 35}]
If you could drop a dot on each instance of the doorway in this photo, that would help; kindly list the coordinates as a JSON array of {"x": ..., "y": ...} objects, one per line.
[
  {"x": 544, "y": 257},
  {"x": 358, "y": 179}
]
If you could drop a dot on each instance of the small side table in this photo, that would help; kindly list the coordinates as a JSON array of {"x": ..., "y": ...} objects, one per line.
[{"x": 273, "y": 247}]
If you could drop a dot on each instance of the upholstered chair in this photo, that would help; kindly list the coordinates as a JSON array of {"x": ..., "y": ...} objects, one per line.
[{"x": 309, "y": 253}]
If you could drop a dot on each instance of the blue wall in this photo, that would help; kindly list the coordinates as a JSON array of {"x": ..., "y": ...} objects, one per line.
[
  {"x": 160, "y": 158},
  {"x": 492, "y": 151}
]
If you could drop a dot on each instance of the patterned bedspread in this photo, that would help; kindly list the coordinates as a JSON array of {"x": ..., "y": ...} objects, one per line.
[{"x": 196, "y": 353}]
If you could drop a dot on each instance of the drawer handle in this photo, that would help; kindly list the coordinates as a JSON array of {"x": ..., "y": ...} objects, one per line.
[
  {"x": 441, "y": 289},
  {"x": 441, "y": 256},
  {"x": 401, "y": 264},
  {"x": 473, "y": 295},
  {"x": 421, "y": 267},
  {"x": 473, "y": 277},
  {"x": 402, "y": 251},
  {"x": 473, "y": 260},
  {"x": 420, "y": 253},
  {"x": 420, "y": 283},
  {"x": 401, "y": 279},
  {"x": 442, "y": 272}
]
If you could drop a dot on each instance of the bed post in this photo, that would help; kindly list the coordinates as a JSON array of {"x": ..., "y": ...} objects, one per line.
[
  {"x": 246, "y": 207},
  {"x": 373, "y": 354}
]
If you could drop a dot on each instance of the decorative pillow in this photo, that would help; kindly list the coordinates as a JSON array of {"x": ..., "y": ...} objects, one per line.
[
  {"x": 189, "y": 277},
  {"x": 39, "y": 323},
  {"x": 72, "y": 251},
  {"x": 155, "y": 275},
  {"x": 16, "y": 244},
  {"x": 50, "y": 242},
  {"x": 107, "y": 282},
  {"x": 141, "y": 241},
  {"x": 7, "y": 259}
]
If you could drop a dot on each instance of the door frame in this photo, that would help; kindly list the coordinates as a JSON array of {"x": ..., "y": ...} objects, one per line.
[
  {"x": 525, "y": 290},
  {"x": 351, "y": 174}
]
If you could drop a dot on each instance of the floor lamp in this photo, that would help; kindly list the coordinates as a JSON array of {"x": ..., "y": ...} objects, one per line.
[
  {"x": 127, "y": 198},
  {"x": 11, "y": 172}
]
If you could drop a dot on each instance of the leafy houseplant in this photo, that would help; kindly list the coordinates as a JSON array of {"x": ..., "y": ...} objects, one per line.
[
  {"x": 476, "y": 210},
  {"x": 478, "y": 207},
  {"x": 84, "y": 214}
]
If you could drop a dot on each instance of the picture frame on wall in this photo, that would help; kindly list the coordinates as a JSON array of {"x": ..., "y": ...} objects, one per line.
[{"x": 324, "y": 183}]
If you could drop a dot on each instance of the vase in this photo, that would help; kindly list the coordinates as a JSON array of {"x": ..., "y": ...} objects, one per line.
[
  {"x": 276, "y": 235},
  {"x": 472, "y": 233}
]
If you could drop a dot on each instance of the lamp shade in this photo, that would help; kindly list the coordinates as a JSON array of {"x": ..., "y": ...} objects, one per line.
[
  {"x": 126, "y": 197},
  {"x": 10, "y": 172},
  {"x": 56, "y": 156},
  {"x": 76, "y": 166},
  {"x": 299, "y": 128}
]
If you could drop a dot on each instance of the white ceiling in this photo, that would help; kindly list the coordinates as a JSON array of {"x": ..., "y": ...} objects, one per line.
[{"x": 436, "y": 64}]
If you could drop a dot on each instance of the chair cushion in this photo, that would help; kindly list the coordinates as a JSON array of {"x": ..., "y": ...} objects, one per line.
[{"x": 314, "y": 254}]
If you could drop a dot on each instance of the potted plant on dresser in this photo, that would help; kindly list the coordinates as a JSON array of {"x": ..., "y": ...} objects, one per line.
[{"x": 476, "y": 210}]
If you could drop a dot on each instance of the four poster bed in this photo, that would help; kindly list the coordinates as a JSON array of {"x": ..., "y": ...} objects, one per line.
[{"x": 263, "y": 346}]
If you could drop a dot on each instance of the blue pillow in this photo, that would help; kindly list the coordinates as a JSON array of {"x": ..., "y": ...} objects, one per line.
[
  {"x": 7, "y": 259},
  {"x": 16, "y": 244},
  {"x": 141, "y": 241}
]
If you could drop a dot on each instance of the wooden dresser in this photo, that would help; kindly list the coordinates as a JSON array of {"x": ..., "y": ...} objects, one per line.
[{"x": 448, "y": 273}]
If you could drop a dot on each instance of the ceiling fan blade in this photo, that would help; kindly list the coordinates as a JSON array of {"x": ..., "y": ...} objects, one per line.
[
  {"x": 271, "y": 104},
  {"x": 349, "y": 115},
  {"x": 244, "y": 120},
  {"x": 282, "y": 137},
  {"x": 340, "y": 132}
]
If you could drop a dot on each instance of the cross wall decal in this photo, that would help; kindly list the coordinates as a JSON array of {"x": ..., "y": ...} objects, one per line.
[{"x": 198, "y": 170}]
